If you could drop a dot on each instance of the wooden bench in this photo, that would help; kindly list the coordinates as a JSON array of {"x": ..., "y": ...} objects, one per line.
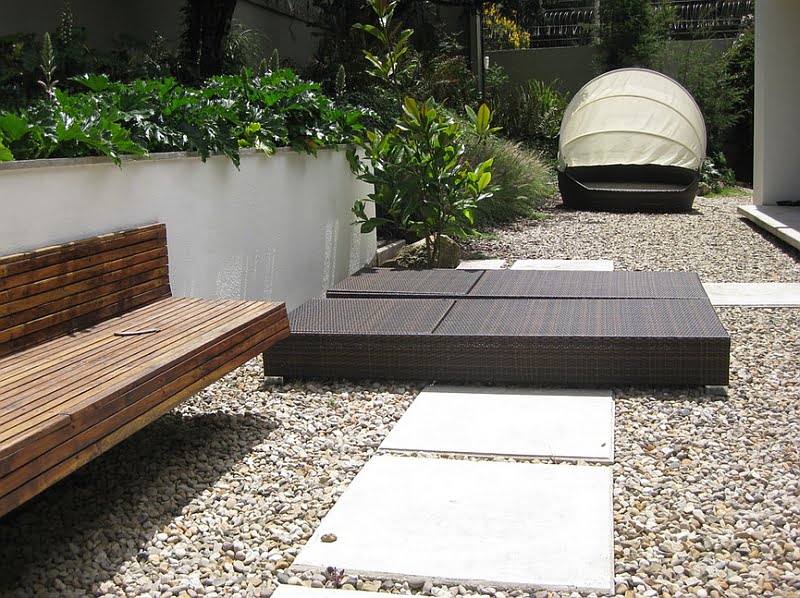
[{"x": 93, "y": 347}]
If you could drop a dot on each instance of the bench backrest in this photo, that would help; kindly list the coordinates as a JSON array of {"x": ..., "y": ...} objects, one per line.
[{"x": 56, "y": 290}]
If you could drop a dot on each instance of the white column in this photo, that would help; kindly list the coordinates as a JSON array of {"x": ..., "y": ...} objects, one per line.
[{"x": 776, "y": 174}]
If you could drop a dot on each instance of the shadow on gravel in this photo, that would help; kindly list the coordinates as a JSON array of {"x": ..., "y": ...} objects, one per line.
[
  {"x": 103, "y": 514},
  {"x": 782, "y": 246},
  {"x": 562, "y": 209}
]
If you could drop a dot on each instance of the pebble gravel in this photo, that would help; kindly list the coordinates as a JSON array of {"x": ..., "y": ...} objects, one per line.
[
  {"x": 711, "y": 240},
  {"x": 217, "y": 497}
]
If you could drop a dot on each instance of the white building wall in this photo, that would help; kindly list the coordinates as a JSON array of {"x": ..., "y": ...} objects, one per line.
[
  {"x": 279, "y": 229},
  {"x": 777, "y": 89}
]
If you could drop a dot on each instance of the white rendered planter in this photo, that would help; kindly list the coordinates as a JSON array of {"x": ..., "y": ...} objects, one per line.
[{"x": 279, "y": 228}]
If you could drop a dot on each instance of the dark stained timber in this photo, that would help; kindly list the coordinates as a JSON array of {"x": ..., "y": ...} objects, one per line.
[{"x": 74, "y": 381}]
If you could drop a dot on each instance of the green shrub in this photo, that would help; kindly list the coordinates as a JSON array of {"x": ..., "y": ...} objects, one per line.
[
  {"x": 522, "y": 180},
  {"x": 228, "y": 113},
  {"x": 423, "y": 184},
  {"x": 380, "y": 107},
  {"x": 495, "y": 81},
  {"x": 532, "y": 114},
  {"x": 632, "y": 33},
  {"x": 740, "y": 69},
  {"x": 129, "y": 60},
  {"x": 715, "y": 174},
  {"x": 68, "y": 127},
  {"x": 702, "y": 71},
  {"x": 19, "y": 57},
  {"x": 421, "y": 176},
  {"x": 447, "y": 78}
]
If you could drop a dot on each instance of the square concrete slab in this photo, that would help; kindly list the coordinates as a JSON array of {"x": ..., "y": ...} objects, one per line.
[
  {"x": 519, "y": 525},
  {"x": 481, "y": 265},
  {"x": 558, "y": 424},
  {"x": 760, "y": 294},
  {"x": 596, "y": 265}
]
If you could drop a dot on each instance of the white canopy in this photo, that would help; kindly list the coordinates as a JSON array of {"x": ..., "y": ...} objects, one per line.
[{"x": 632, "y": 116}]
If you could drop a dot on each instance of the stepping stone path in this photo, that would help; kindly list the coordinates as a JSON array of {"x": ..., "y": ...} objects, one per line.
[
  {"x": 756, "y": 294},
  {"x": 481, "y": 265},
  {"x": 551, "y": 424},
  {"x": 481, "y": 522},
  {"x": 498, "y": 264},
  {"x": 595, "y": 265},
  {"x": 471, "y": 522},
  {"x": 781, "y": 221},
  {"x": 487, "y": 522}
]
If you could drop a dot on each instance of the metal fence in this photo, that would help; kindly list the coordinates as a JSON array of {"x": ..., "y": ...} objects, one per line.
[
  {"x": 571, "y": 22},
  {"x": 716, "y": 18}
]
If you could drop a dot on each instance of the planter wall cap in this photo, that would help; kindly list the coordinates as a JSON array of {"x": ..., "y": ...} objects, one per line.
[
  {"x": 89, "y": 160},
  {"x": 389, "y": 251},
  {"x": 415, "y": 256}
]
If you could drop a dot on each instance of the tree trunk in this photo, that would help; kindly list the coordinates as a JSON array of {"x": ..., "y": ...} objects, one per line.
[
  {"x": 208, "y": 23},
  {"x": 216, "y": 26}
]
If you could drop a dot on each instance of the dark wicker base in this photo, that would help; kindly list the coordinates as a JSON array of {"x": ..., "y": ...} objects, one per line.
[
  {"x": 508, "y": 360},
  {"x": 629, "y": 188},
  {"x": 565, "y": 342}
]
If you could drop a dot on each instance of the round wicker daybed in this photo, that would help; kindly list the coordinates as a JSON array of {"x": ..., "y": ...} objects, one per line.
[{"x": 631, "y": 139}]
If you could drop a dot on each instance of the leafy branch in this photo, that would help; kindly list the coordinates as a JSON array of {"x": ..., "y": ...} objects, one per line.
[{"x": 392, "y": 66}]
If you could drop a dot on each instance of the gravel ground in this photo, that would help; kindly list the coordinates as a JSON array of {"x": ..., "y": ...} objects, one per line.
[
  {"x": 217, "y": 498},
  {"x": 710, "y": 240}
]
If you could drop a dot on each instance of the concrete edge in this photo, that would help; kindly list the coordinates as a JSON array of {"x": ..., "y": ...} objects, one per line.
[
  {"x": 471, "y": 582},
  {"x": 151, "y": 157},
  {"x": 770, "y": 224},
  {"x": 549, "y": 459},
  {"x": 389, "y": 251}
]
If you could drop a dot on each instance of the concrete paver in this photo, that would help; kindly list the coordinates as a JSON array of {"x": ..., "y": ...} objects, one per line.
[
  {"x": 473, "y": 522},
  {"x": 596, "y": 265},
  {"x": 761, "y": 294},
  {"x": 558, "y": 423}
]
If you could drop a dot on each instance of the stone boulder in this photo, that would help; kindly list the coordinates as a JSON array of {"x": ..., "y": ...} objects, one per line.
[{"x": 413, "y": 256}]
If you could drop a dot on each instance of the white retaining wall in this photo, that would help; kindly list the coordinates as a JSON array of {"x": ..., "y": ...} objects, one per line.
[
  {"x": 777, "y": 118},
  {"x": 279, "y": 228}
]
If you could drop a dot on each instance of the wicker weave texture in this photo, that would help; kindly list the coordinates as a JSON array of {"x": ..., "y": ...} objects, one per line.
[
  {"x": 509, "y": 360},
  {"x": 531, "y": 341},
  {"x": 589, "y": 285},
  {"x": 520, "y": 284},
  {"x": 393, "y": 317},
  {"x": 385, "y": 282},
  {"x": 635, "y": 318}
]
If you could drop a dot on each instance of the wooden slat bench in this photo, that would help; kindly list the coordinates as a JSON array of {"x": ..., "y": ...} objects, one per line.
[{"x": 93, "y": 347}]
